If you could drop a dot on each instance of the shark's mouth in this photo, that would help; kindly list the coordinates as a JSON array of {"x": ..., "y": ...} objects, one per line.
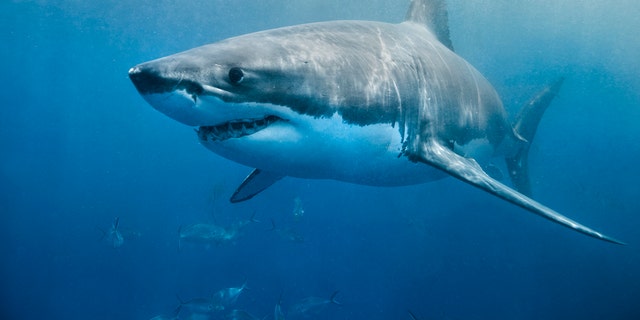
[{"x": 235, "y": 128}]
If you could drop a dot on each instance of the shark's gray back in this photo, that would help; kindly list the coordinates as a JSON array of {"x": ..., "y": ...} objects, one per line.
[{"x": 403, "y": 75}]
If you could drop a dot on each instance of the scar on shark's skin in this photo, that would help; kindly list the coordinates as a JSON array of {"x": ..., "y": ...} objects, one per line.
[{"x": 342, "y": 99}]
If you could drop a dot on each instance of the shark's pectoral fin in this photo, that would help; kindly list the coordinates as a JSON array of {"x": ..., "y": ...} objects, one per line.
[
  {"x": 469, "y": 171},
  {"x": 254, "y": 183}
]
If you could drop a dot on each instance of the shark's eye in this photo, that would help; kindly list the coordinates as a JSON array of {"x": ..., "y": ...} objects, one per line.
[{"x": 235, "y": 75}]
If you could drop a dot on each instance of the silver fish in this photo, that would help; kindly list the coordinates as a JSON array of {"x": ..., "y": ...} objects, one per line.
[
  {"x": 205, "y": 234},
  {"x": 312, "y": 306},
  {"x": 287, "y": 233},
  {"x": 228, "y": 296},
  {"x": 277, "y": 312},
  {"x": 113, "y": 237},
  {"x": 200, "y": 306}
]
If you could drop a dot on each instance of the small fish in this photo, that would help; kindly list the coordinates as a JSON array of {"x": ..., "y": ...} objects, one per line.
[
  {"x": 113, "y": 237},
  {"x": 298, "y": 210},
  {"x": 413, "y": 316},
  {"x": 236, "y": 230},
  {"x": 241, "y": 224},
  {"x": 200, "y": 305},
  {"x": 203, "y": 233},
  {"x": 312, "y": 305},
  {"x": 228, "y": 296},
  {"x": 209, "y": 234},
  {"x": 288, "y": 234},
  {"x": 277, "y": 313}
]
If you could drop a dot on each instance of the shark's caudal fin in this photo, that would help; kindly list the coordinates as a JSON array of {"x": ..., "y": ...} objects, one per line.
[
  {"x": 254, "y": 183},
  {"x": 433, "y": 153},
  {"x": 525, "y": 126},
  {"x": 433, "y": 14}
]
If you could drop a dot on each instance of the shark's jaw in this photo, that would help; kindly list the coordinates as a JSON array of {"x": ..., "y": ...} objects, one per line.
[
  {"x": 235, "y": 128},
  {"x": 216, "y": 119}
]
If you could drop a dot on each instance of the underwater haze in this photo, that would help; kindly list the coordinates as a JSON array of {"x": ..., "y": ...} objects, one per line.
[{"x": 102, "y": 196}]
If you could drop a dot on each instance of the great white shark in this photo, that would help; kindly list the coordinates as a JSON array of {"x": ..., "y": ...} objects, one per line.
[{"x": 364, "y": 102}]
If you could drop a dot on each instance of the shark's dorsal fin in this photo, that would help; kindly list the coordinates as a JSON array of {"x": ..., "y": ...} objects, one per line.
[
  {"x": 467, "y": 170},
  {"x": 253, "y": 184},
  {"x": 433, "y": 14}
]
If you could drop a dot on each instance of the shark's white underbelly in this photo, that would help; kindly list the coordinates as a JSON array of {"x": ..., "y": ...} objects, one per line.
[{"x": 328, "y": 148}]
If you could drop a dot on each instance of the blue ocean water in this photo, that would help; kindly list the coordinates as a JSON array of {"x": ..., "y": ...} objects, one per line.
[{"x": 80, "y": 147}]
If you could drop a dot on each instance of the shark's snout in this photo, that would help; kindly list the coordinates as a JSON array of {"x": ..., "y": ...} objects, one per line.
[
  {"x": 168, "y": 92},
  {"x": 147, "y": 80}
]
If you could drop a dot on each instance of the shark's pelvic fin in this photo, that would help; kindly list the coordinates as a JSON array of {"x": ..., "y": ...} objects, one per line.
[
  {"x": 433, "y": 14},
  {"x": 433, "y": 153},
  {"x": 254, "y": 183},
  {"x": 525, "y": 126}
]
